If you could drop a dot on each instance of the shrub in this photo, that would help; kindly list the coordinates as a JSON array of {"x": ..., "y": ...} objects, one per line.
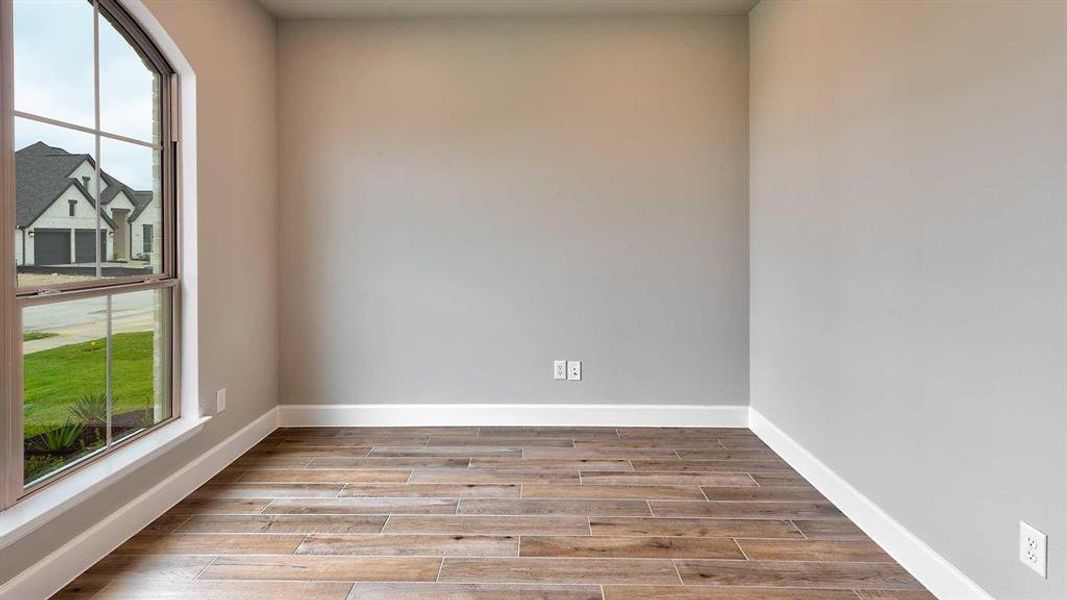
[
  {"x": 60, "y": 440},
  {"x": 38, "y": 465},
  {"x": 147, "y": 420},
  {"x": 90, "y": 409}
]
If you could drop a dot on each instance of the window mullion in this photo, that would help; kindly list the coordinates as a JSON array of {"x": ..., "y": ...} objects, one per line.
[
  {"x": 107, "y": 378},
  {"x": 89, "y": 130},
  {"x": 97, "y": 234},
  {"x": 96, "y": 139}
]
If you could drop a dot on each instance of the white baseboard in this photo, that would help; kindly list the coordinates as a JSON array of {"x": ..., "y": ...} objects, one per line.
[
  {"x": 534, "y": 415},
  {"x": 935, "y": 572},
  {"x": 54, "y": 571}
]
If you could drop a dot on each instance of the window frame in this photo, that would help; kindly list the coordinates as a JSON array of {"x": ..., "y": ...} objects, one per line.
[{"x": 13, "y": 299}]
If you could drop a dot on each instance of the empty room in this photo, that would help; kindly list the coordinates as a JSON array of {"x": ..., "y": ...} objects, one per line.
[{"x": 533, "y": 299}]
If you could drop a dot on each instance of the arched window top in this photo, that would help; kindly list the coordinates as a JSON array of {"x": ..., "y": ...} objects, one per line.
[{"x": 63, "y": 46}]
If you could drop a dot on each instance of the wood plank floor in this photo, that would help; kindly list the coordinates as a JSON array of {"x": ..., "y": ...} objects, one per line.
[{"x": 500, "y": 513}]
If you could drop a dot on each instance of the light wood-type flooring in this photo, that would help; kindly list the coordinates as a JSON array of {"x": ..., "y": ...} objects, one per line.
[{"x": 502, "y": 513}]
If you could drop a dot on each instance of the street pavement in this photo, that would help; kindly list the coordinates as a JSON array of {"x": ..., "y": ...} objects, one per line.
[{"x": 84, "y": 320}]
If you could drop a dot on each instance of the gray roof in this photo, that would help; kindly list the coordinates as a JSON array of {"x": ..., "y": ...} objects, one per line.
[
  {"x": 42, "y": 174},
  {"x": 141, "y": 199}
]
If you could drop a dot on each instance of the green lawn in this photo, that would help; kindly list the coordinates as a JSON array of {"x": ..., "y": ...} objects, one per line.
[
  {"x": 54, "y": 379},
  {"x": 30, "y": 336}
]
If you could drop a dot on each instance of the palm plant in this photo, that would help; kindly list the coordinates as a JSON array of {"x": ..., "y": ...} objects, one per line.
[
  {"x": 90, "y": 409},
  {"x": 60, "y": 440}
]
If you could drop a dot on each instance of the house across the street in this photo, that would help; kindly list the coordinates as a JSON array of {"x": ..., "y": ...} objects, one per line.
[{"x": 56, "y": 221}]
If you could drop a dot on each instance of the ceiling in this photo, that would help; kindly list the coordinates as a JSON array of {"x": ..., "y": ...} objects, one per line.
[{"x": 320, "y": 9}]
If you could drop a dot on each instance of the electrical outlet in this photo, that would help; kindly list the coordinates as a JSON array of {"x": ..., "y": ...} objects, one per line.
[
  {"x": 1033, "y": 548},
  {"x": 559, "y": 369},
  {"x": 574, "y": 370},
  {"x": 220, "y": 400}
]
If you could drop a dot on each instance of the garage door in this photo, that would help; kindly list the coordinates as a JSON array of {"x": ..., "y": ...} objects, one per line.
[
  {"x": 83, "y": 246},
  {"x": 51, "y": 247}
]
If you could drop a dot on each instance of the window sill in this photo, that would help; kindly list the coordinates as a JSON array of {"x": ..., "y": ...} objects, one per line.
[{"x": 59, "y": 497}]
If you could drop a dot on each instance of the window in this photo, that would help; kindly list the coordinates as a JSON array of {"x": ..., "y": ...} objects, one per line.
[{"x": 90, "y": 328}]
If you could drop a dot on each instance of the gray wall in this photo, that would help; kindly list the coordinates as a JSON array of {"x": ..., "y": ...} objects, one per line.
[
  {"x": 465, "y": 200},
  {"x": 908, "y": 208},
  {"x": 231, "y": 47}
]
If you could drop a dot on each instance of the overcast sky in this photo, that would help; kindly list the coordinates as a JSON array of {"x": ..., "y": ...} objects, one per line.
[{"x": 54, "y": 78}]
